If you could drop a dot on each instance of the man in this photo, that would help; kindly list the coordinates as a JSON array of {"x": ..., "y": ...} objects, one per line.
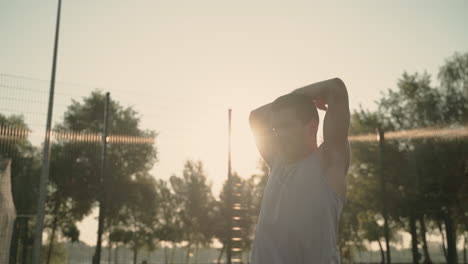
[{"x": 306, "y": 190}]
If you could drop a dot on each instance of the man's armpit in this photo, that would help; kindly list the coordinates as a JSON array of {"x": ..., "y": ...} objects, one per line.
[{"x": 336, "y": 156}]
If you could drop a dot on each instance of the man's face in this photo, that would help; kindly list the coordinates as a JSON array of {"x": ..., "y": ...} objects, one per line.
[{"x": 292, "y": 135}]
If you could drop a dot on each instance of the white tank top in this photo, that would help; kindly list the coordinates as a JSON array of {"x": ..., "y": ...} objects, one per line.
[{"x": 299, "y": 216}]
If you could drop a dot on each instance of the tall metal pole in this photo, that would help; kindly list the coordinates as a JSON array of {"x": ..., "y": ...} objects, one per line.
[
  {"x": 102, "y": 200},
  {"x": 46, "y": 151},
  {"x": 229, "y": 242},
  {"x": 383, "y": 191}
]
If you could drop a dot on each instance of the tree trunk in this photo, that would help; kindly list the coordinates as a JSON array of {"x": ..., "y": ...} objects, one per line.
[
  {"x": 382, "y": 254},
  {"x": 221, "y": 253},
  {"x": 414, "y": 239},
  {"x": 52, "y": 236},
  {"x": 427, "y": 257},
  {"x": 135, "y": 254},
  {"x": 443, "y": 240},
  {"x": 24, "y": 239},
  {"x": 451, "y": 238},
  {"x": 14, "y": 242}
]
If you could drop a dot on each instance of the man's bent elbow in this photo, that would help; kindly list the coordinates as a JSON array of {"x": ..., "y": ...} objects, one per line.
[{"x": 340, "y": 85}]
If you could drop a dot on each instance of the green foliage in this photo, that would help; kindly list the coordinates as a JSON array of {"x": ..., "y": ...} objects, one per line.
[
  {"x": 197, "y": 203},
  {"x": 424, "y": 177}
]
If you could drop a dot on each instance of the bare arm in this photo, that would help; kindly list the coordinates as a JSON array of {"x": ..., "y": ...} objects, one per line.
[
  {"x": 337, "y": 118},
  {"x": 335, "y": 148},
  {"x": 260, "y": 124}
]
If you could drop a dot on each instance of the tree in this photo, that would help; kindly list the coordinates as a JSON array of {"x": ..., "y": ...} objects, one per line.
[
  {"x": 244, "y": 217},
  {"x": 76, "y": 156},
  {"x": 437, "y": 188},
  {"x": 136, "y": 225},
  {"x": 197, "y": 202},
  {"x": 430, "y": 180},
  {"x": 169, "y": 226},
  {"x": 372, "y": 231},
  {"x": 25, "y": 169}
]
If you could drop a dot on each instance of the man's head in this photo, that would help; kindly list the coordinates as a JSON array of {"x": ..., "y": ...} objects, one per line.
[{"x": 295, "y": 122}]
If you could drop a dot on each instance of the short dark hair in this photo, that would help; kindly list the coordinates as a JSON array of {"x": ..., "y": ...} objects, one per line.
[{"x": 303, "y": 106}]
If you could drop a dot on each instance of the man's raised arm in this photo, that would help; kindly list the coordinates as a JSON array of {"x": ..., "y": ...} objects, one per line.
[{"x": 334, "y": 94}]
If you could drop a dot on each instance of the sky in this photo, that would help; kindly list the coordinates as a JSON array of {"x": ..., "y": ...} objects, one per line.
[{"x": 183, "y": 64}]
